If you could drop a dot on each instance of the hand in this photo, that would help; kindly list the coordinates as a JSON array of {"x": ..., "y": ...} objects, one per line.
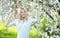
[
  {"x": 10, "y": 11},
  {"x": 36, "y": 6}
]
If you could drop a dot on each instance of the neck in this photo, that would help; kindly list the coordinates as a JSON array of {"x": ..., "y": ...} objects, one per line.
[{"x": 23, "y": 18}]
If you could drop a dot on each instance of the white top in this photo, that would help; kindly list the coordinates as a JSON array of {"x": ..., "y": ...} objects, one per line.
[{"x": 23, "y": 28}]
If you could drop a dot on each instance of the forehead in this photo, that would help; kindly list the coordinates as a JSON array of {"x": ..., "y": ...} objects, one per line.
[{"x": 22, "y": 10}]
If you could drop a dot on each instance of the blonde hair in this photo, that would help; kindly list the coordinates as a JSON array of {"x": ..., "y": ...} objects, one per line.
[{"x": 18, "y": 12}]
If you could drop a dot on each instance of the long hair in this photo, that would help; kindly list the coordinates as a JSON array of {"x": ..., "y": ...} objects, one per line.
[{"x": 18, "y": 12}]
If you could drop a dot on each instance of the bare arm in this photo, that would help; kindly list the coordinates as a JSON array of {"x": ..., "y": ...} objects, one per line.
[
  {"x": 8, "y": 19},
  {"x": 36, "y": 10},
  {"x": 36, "y": 14}
]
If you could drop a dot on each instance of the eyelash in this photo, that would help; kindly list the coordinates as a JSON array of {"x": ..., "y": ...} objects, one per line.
[{"x": 22, "y": 12}]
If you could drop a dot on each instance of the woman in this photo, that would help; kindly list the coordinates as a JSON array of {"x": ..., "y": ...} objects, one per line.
[{"x": 23, "y": 24}]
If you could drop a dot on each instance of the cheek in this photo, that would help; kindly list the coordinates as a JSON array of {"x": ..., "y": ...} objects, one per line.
[
  {"x": 21, "y": 14},
  {"x": 24, "y": 13}
]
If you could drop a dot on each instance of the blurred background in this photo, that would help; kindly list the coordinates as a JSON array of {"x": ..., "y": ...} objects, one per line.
[{"x": 48, "y": 25}]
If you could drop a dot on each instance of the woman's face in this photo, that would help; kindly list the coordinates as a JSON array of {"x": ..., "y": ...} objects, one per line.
[{"x": 22, "y": 13}]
